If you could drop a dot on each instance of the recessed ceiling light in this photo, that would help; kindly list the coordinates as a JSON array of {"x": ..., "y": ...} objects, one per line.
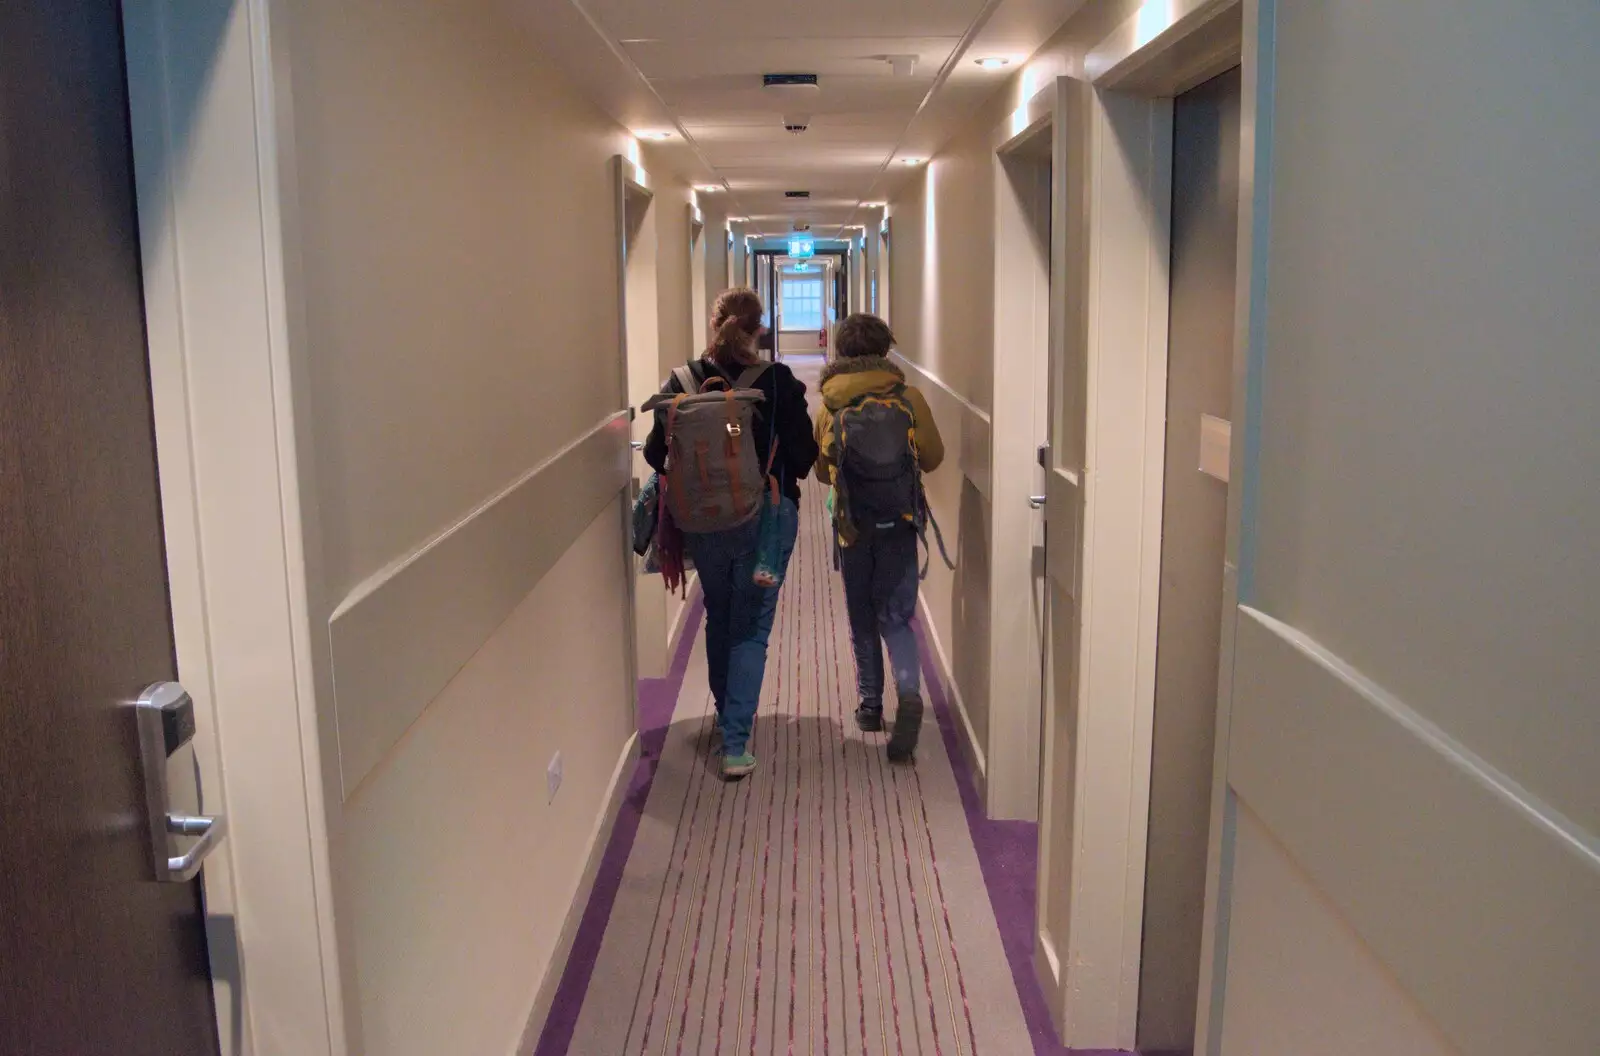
[
  {"x": 708, "y": 188},
  {"x": 912, "y": 161},
  {"x": 874, "y": 205},
  {"x": 993, "y": 62},
  {"x": 655, "y": 134}
]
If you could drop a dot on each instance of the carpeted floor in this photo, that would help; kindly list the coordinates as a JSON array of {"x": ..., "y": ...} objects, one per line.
[{"x": 833, "y": 903}]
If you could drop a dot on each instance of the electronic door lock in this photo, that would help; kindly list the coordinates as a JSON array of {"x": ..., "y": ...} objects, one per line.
[{"x": 165, "y": 716}]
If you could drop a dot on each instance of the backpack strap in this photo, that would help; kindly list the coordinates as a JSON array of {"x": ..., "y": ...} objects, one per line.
[
  {"x": 731, "y": 449},
  {"x": 925, "y": 518},
  {"x": 751, "y": 375},
  {"x": 686, "y": 379}
]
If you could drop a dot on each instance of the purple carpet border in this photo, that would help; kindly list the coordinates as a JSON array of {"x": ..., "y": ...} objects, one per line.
[
  {"x": 1008, "y": 853},
  {"x": 658, "y": 699}
]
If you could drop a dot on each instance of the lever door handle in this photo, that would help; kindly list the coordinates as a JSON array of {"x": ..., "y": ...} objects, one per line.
[
  {"x": 211, "y": 830},
  {"x": 637, "y": 445},
  {"x": 164, "y": 715},
  {"x": 1038, "y": 501}
]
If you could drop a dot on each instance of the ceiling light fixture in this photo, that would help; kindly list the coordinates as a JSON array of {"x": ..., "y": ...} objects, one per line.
[
  {"x": 708, "y": 188},
  {"x": 993, "y": 62},
  {"x": 874, "y": 205},
  {"x": 912, "y": 161},
  {"x": 655, "y": 134}
]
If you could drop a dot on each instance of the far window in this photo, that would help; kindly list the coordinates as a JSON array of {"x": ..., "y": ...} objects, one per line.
[{"x": 802, "y": 303}]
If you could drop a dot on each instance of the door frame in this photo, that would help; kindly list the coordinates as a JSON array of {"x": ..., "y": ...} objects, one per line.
[
  {"x": 699, "y": 305},
  {"x": 221, "y": 323},
  {"x": 1161, "y": 51},
  {"x": 631, "y": 182},
  {"x": 1113, "y": 185},
  {"x": 1026, "y": 326}
]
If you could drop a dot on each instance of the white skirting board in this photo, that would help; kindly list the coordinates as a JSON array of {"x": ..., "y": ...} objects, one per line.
[
  {"x": 691, "y": 593},
  {"x": 599, "y": 841},
  {"x": 969, "y": 739}
]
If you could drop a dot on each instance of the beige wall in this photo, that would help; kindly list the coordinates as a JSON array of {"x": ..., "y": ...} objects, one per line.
[
  {"x": 674, "y": 284},
  {"x": 1316, "y": 988},
  {"x": 661, "y": 612},
  {"x": 454, "y": 270},
  {"x": 1413, "y": 717},
  {"x": 942, "y": 278},
  {"x": 456, "y": 899},
  {"x": 716, "y": 260},
  {"x": 937, "y": 241}
]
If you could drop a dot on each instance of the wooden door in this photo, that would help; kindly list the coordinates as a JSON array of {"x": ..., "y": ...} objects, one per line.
[{"x": 95, "y": 955}]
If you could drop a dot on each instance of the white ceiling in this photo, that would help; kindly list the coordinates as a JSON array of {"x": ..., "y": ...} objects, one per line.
[{"x": 693, "y": 68}]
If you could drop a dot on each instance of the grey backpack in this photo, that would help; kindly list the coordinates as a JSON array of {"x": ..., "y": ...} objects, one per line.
[{"x": 714, "y": 479}]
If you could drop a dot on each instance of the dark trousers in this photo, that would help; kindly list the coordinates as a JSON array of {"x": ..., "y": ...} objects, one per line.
[{"x": 880, "y": 589}]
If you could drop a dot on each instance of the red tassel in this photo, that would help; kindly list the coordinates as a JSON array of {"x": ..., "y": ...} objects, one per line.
[{"x": 669, "y": 544}]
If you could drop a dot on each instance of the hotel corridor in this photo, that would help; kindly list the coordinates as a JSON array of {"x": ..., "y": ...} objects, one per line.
[{"x": 831, "y": 903}]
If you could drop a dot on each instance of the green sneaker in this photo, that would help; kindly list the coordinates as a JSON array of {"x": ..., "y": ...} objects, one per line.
[{"x": 736, "y": 766}]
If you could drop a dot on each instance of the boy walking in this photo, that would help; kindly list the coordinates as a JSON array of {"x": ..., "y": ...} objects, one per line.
[{"x": 877, "y": 437}]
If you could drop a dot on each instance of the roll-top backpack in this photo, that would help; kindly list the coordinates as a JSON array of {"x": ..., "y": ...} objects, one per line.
[{"x": 714, "y": 478}]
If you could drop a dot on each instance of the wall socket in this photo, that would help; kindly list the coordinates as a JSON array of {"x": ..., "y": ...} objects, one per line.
[{"x": 552, "y": 776}]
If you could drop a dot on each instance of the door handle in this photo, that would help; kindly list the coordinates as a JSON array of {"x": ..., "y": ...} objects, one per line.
[
  {"x": 165, "y": 717},
  {"x": 1038, "y": 501},
  {"x": 637, "y": 445},
  {"x": 211, "y": 829}
]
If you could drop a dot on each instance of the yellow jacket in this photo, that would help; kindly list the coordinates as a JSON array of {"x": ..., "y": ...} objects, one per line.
[{"x": 847, "y": 380}]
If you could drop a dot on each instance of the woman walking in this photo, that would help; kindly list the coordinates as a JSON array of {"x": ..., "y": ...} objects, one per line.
[{"x": 740, "y": 610}]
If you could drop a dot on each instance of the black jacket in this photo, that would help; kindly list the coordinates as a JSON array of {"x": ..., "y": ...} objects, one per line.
[{"x": 786, "y": 397}]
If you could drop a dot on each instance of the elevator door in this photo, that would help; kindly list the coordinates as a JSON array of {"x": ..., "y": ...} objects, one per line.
[{"x": 1205, "y": 222}]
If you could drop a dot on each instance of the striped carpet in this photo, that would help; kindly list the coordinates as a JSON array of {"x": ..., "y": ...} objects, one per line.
[{"x": 832, "y": 903}]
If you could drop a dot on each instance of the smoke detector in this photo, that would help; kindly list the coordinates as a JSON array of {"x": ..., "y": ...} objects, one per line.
[
  {"x": 793, "y": 91},
  {"x": 903, "y": 65}
]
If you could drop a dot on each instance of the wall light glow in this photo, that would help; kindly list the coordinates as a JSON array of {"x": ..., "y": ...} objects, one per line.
[
  {"x": 1035, "y": 76},
  {"x": 1154, "y": 18}
]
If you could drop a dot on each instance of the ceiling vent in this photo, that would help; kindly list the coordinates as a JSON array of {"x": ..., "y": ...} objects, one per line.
[
  {"x": 797, "y": 83},
  {"x": 797, "y": 194}
]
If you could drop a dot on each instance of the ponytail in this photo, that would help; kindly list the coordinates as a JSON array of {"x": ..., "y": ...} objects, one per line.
[{"x": 735, "y": 321}]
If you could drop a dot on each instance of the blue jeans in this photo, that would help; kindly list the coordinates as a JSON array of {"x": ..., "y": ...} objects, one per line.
[
  {"x": 739, "y": 618},
  {"x": 880, "y": 591}
]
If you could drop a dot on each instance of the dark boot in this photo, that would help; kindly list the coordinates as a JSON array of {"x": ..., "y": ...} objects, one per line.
[
  {"x": 907, "y": 729},
  {"x": 869, "y": 718}
]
